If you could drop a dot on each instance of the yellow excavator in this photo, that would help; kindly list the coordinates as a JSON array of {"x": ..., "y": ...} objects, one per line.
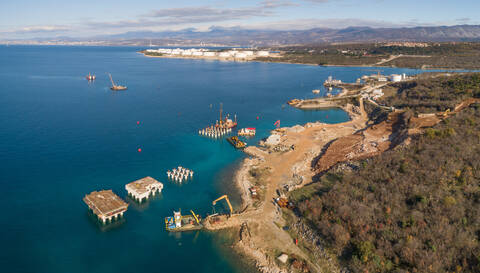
[{"x": 226, "y": 199}]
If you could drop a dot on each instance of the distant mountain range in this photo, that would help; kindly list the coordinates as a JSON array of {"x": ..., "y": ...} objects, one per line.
[{"x": 237, "y": 36}]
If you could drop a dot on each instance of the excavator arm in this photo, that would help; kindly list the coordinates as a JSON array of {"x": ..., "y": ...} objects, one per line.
[
  {"x": 194, "y": 215},
  {"x": 226, "y": 199}
]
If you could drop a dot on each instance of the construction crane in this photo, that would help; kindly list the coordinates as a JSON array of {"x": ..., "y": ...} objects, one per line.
[
  {"x": 228, "y": 202},
  {"x": 195, "y": 216},
  {"x": 114, "y": 86}
]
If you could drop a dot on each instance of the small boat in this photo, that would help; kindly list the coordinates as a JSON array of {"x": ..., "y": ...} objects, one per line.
[
  {"x": 316, "y": 91},
  {"x": 116, "y": 87},
  {"x": 90, "y": 77},
  {"x": 247, "y": 132}
]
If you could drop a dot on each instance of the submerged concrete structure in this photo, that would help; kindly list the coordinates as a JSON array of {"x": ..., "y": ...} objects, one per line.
[
  {"x": 106, "y": 205},
  {"x": 142, "y": 188}
]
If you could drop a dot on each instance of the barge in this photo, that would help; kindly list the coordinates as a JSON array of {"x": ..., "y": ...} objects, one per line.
[
  {"x": 179, "y": 222},
  {"x": 225, "y": 123},
  {"x": 116, "y": 87},
  {"x": 237, "y": 143}
]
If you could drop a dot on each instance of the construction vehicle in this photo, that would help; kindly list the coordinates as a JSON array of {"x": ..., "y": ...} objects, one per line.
[
  {"x": 445, "y": 114},
  {"x": 284, "y": 203},
  {"x": 116, "y": 87},
  {"x": 293, "y": 101},
  {"x": 226, "y": 199}
]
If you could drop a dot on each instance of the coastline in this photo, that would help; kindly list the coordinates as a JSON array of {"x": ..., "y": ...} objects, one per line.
[
  {"x": 265, "y": 237},
  {"x": 427, "y": 69}
]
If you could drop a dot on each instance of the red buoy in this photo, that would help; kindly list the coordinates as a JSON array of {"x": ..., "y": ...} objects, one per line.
[
  {"x": 138, "y": 122},
  {"x": 139, "y": 150},
  {"x": 258, "y": 117},
  {"x": 326, "y": 116}
]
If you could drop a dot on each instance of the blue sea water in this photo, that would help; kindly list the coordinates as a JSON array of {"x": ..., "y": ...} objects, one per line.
[{"x": 62, "y": 137}]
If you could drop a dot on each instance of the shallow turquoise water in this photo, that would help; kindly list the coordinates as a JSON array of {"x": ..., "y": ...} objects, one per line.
[{"x": 62, "y": 137}]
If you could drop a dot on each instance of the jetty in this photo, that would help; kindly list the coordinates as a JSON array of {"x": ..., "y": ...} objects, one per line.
[
  {"x": 143, "y": 188},
  {"x": 106, "y": 205}
]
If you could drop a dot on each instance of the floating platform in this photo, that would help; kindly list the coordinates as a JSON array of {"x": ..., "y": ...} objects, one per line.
[
  {"x": 143, "y": 188},
  {"x": 247, "y": 132},
  {"x": 237, "y": 143},
  {"x": 179, "y": 222},
  {"x": 106, "y": 205}
]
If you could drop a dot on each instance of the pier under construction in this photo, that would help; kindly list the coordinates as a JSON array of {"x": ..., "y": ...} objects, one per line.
[
  {"x": 143, "y": 188},
  {"x": 106, "y": 205}
]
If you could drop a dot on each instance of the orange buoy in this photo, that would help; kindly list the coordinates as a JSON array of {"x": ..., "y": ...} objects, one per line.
[{"x": 139, "y": 150}]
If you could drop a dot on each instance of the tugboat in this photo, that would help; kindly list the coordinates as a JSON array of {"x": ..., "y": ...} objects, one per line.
[
  {"x": 90, "y": 77},
  {"x": 237, "y": 143},
  {"x": 116, "y": 87}
]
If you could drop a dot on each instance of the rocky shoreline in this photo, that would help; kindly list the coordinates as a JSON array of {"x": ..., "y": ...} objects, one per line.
[{"x": 266, "y": 219}]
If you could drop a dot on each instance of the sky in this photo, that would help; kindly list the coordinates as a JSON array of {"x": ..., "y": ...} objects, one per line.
[{"x": 87, "y": 18}]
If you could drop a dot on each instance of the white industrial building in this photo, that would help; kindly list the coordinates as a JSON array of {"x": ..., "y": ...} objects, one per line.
[
  {"x": 240, "y": 55},
  {"x": 263, "y": 53},
  {"x": 209, "y": 54},
  {"x": 224, "y": 54},
  {"x": 396, "y": 78},
  {"x": 199, "y": 52}
]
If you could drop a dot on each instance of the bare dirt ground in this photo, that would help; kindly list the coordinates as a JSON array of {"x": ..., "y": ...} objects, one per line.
[
  {"x": 261, "y": 236},
  {"x": 265, "y": 223}
]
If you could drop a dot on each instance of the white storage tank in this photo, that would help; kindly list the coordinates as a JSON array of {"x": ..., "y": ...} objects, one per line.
[
  {"x": 241, "y": 55},
  {"x": 396, "y": 78},
  {"x": 248, "y": 52},
  {"x": 209, "y": 54},
  {"x": 263, "y": 53},
  {"x": 197, "y": 53},
  {"x": 224, "y": 54}
]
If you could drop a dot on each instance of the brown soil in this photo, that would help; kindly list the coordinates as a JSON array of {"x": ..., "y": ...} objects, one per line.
[{"x": 328, "y": 144}]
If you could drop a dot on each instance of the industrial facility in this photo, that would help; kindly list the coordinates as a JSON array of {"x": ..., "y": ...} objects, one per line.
[{"x": 233, "y": 54}]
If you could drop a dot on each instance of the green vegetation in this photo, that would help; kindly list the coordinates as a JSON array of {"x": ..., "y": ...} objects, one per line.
[
  {"x": 152, "y": 53},
  {"x": 433, "y": 94},
  {"x": 435, "y": 55},
  {"x": 414, "y": 208}
]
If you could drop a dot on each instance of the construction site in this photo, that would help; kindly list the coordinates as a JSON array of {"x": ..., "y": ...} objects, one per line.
[{"x": 106, "y": 205}]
